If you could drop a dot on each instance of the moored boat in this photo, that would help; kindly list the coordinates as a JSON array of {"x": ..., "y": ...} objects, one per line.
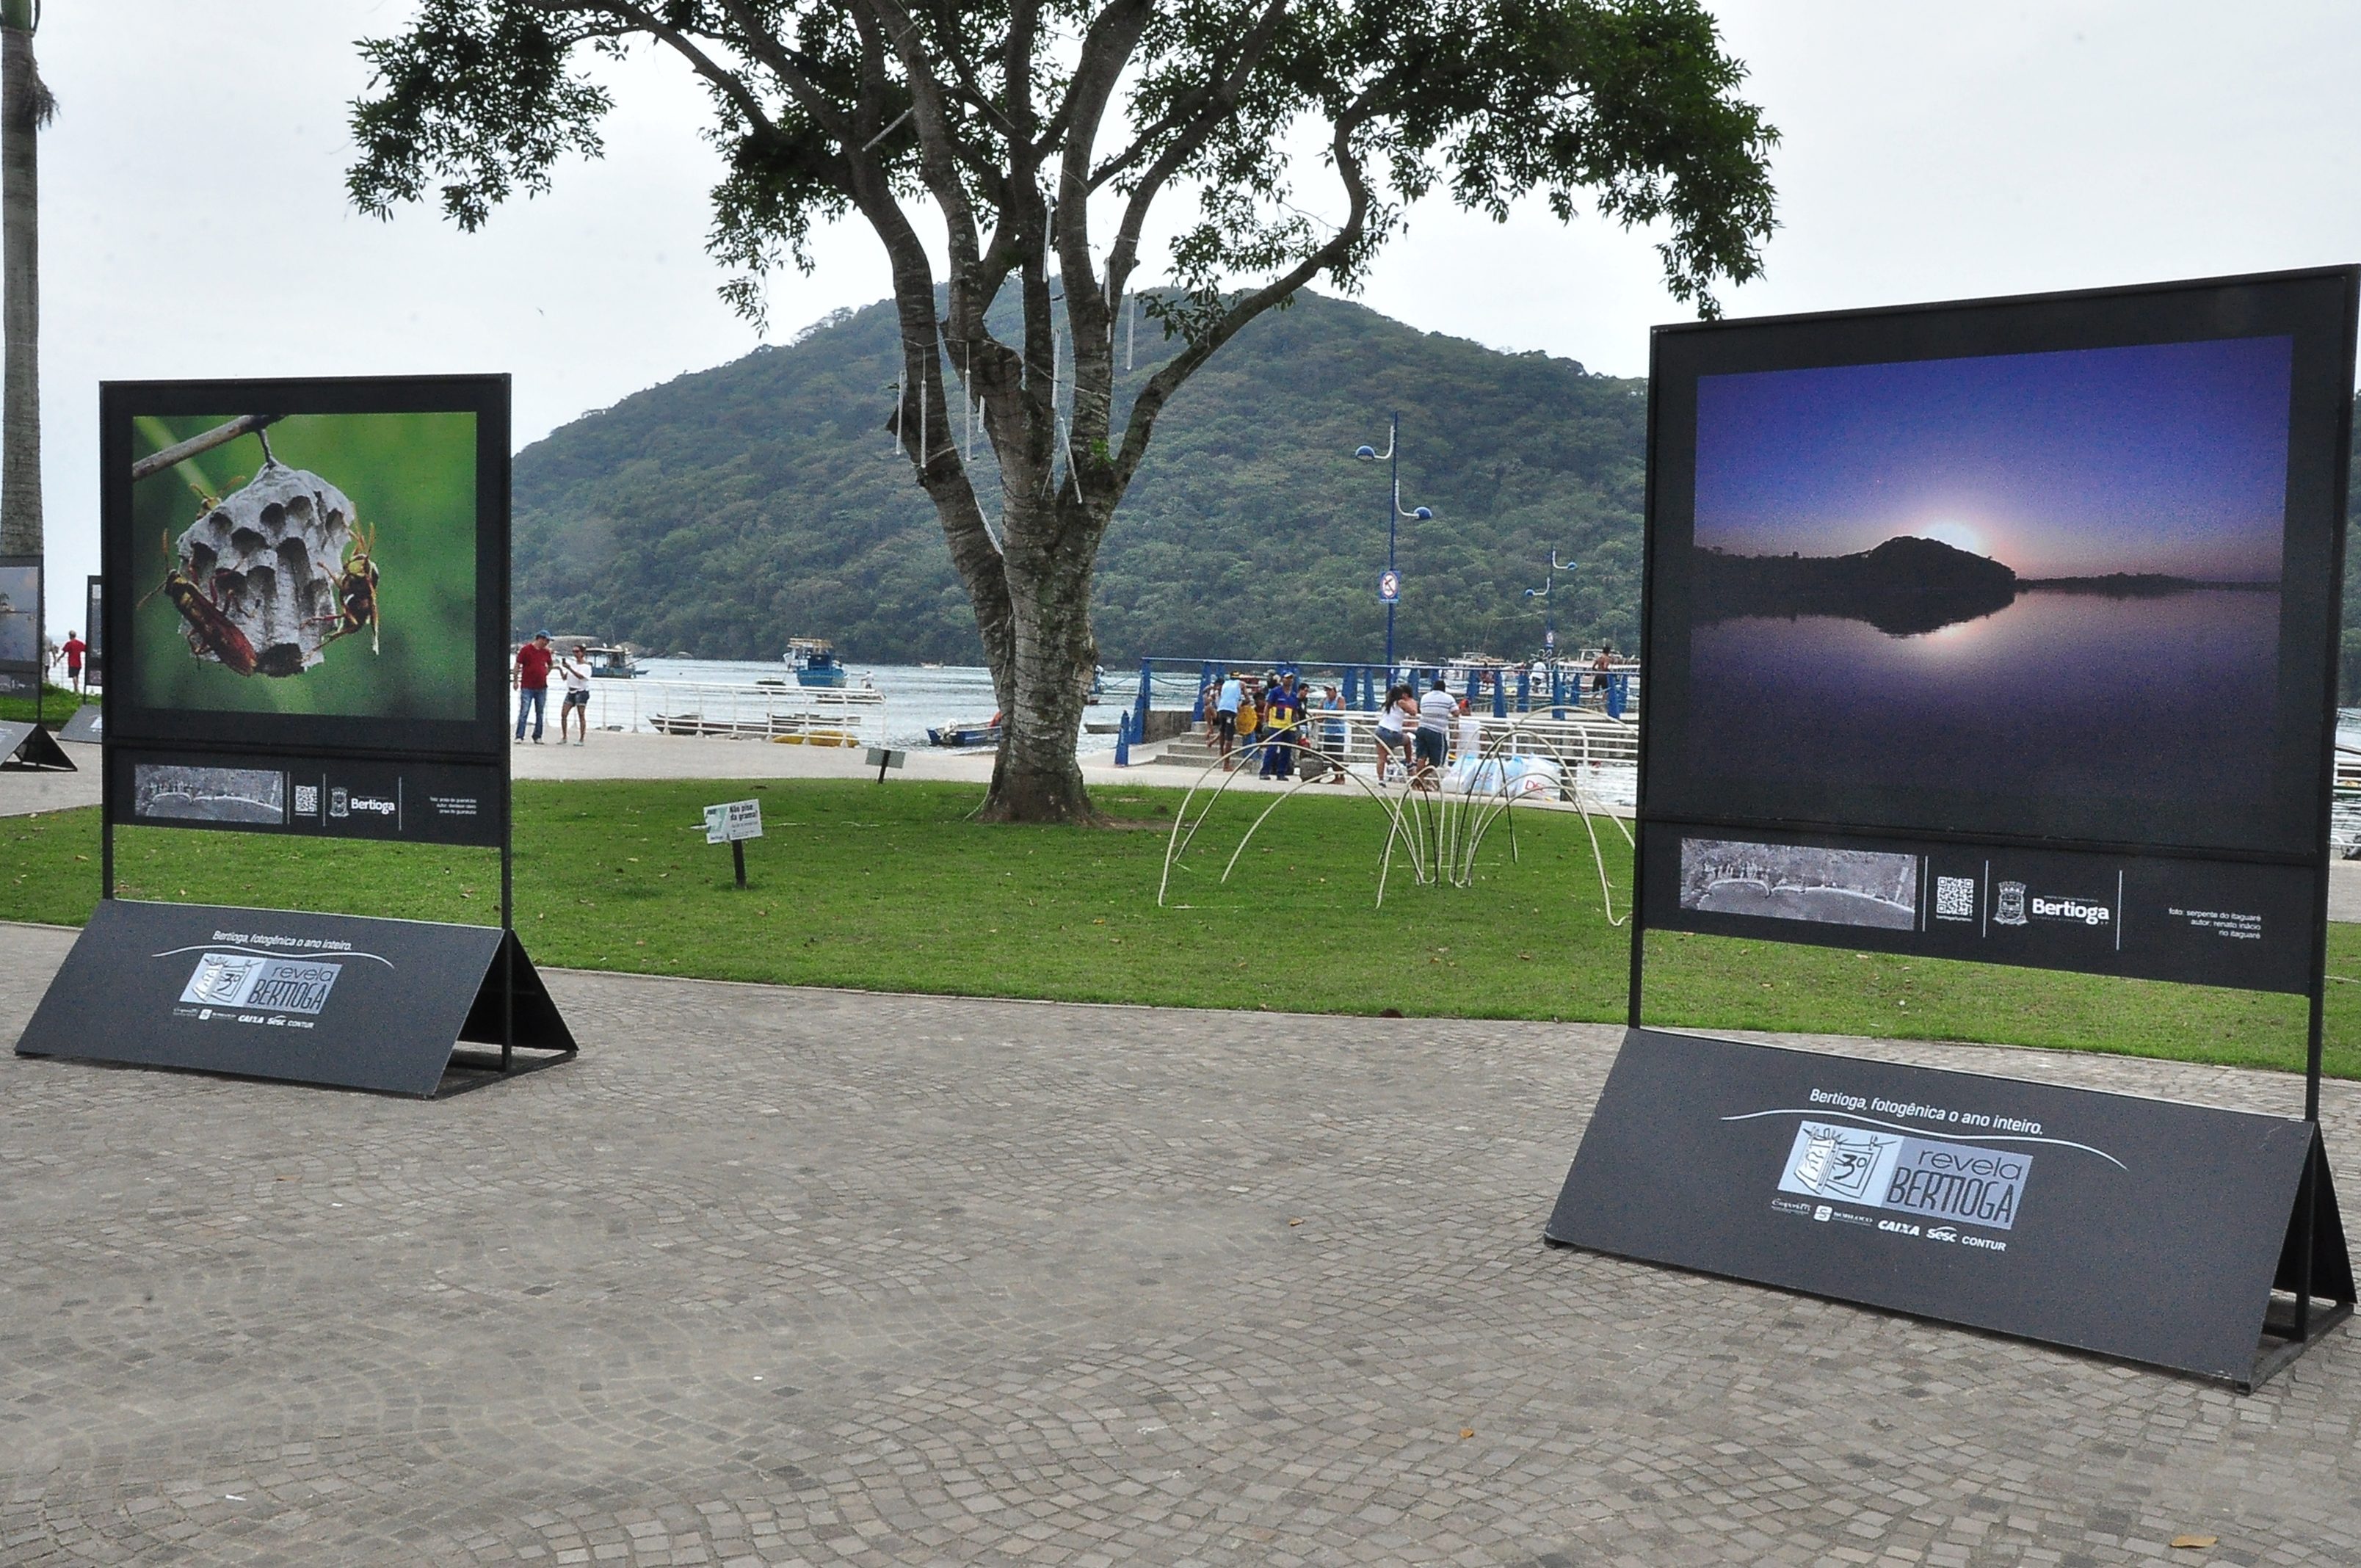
[
  {"x": 814, "y": 660},
  {"x": 981, "y": 732},
  {"x": 612, "y": 661}
]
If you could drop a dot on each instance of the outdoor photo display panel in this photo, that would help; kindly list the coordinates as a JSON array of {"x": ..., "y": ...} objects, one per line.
[
  {"x": 20, "y": 625},
  {"x": 308, "y": 566},
  {"x": 2051, "y": 574},
  {"x": 93, "y": 628}
]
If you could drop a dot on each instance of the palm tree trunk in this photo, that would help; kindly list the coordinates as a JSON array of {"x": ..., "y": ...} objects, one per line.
[{"x": 24, "y": 107}]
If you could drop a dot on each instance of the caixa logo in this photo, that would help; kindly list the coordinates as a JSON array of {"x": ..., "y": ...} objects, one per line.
[{"x": 2070, "y": 909}]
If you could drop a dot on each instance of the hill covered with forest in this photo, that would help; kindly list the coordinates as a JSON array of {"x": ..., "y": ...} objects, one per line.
[{"x": 724, "y": 512}]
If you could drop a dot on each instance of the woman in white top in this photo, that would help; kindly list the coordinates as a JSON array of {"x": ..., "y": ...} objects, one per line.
[
  {"x": 576, "y": 668},
  {"x": 1394, "y": 715}
]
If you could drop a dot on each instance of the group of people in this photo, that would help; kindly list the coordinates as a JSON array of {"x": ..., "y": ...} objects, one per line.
[
  {"x": 1274, "y": 714},
  {"x": 534, "y": 661},
  {"x": 1416, "y": 729}
]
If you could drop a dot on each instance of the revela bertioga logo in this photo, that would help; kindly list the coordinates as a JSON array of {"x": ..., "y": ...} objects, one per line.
[
  {"x": 1918, "y": 1176},
  {"x": 266, "y": 985}
]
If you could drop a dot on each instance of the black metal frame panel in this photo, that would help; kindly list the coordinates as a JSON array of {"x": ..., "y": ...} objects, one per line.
[
  {"x": 2319, "y": 309},
  {"x": 483, "y": 736},
  {"x": 2315, "y": 310},
  {"x": 462, "y": 767}
]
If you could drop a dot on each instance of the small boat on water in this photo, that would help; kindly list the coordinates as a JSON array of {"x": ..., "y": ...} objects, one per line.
[
  {"x": 612, "y": 661},
  {"x": 813, "y": 659},
  {"x": 966, "y": 736}
]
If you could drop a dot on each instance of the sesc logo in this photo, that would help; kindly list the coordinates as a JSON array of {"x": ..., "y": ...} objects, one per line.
[
  {"x": 1822, "y": 1212},
  {"x": 1943, "y": 1234}
]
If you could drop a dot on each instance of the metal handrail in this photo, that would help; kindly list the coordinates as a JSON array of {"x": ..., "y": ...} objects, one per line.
[{"x": 827, "y": 714}]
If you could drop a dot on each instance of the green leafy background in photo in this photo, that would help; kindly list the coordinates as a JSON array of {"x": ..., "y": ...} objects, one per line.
[{"x": 411, "y": 479}]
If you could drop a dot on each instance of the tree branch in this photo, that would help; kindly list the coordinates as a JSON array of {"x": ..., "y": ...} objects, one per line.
[
  {"x": 1167, "y": 379},
  {"x": 1215, "y": 104}
]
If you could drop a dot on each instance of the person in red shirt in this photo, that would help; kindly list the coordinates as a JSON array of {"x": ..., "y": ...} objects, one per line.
[
  {"x": 533, "y": 684},
  {"x": 73, "y": 650}
]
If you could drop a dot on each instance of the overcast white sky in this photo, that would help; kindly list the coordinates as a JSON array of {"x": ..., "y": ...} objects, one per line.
[{"x": 194, "y": 220}]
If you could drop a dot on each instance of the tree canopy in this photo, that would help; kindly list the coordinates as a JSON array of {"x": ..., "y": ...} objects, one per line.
[{"x": 1038, "y": 137}]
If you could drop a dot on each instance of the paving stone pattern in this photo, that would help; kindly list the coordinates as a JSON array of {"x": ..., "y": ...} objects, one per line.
[{"x": 794, "y": 1276}]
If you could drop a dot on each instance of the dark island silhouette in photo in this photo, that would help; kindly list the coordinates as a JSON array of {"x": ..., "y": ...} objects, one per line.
[
  {"x": 1905, "y": 588},
  {"x": 2036, "y": 576}
]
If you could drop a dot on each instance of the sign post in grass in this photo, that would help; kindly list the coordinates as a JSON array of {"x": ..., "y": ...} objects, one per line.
[{"x": 732, "y": 823}]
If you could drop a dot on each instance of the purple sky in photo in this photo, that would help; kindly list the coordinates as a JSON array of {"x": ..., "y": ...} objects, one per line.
[{"x": 2168, "y": 459}]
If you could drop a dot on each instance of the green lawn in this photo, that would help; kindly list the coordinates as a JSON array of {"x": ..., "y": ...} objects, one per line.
[
  {"x": 890, "y": 888},
  {"x": 59, "y": 707}
]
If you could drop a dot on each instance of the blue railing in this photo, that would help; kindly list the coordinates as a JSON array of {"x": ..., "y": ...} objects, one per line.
[{"x": 1173, "y": 683}]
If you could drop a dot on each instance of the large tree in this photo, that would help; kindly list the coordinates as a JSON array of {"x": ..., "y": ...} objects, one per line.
[
  {"x": 24, "y": 107},
  {"x": 1040, "y": 136}
]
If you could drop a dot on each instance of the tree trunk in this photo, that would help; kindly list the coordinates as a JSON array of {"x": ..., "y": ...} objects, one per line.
[
  {"x": 1035, "y": 777},
  {"x": 24, "y": 105}
]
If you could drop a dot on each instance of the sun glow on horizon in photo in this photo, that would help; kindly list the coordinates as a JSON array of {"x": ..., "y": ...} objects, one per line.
[{"x": 1957, "y": 535}]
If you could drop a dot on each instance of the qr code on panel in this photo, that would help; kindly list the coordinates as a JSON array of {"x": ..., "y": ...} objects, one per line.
[
  {"x": 307, "y": 800},
  {"x": 1955, "y": 898}
]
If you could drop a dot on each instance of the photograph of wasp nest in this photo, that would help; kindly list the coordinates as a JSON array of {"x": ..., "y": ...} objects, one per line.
[{"x": 272, "y": 573}]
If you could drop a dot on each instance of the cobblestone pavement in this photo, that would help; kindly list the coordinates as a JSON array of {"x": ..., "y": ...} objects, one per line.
[
  {"x": 24, "y": 790},
  {"x": 806, "y": 1276}
]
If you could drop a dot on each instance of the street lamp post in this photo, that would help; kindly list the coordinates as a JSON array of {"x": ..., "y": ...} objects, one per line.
[
  {"x": 1549, "y": 624},
  {"x": 1390, "y": 585}
]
